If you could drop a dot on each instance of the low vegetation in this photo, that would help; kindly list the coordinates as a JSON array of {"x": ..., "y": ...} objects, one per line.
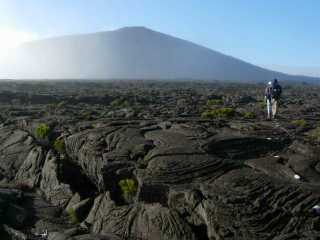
[
  {"x": 315, "y": 134},
  {"x": 213, "y": 102},
  {"x": 129, "y": 189},
  {"x": 249, "y": 115},
  {"x": 42, "y": 131},
  {"x": 299, "y": 123},
  {"x": 218, "y": 113},
  {"x": 59, "y": 145},
  {"x": 261, "y": 104},
  {"x": 87, "y": 115},
  {"x": 120, "y": 103},
  {"x": 72, "y": 215}
]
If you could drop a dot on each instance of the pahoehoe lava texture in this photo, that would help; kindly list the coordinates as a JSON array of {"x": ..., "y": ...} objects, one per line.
[{"x": 191, "y": 179}]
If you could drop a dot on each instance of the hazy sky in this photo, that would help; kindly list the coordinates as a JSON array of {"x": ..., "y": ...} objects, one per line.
[{"x": 281, "y": 34}]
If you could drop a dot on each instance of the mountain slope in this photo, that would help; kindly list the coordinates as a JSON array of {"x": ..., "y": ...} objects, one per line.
[{"x": 129, "y": 53}]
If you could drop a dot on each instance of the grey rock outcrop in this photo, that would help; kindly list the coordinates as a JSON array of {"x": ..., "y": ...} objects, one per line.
[
  {"x": 55, "y": 191},
  {"x": 15, "y": 146},
  {"x": 140, "y": 221},
  {"x": 30, "y": 171}
]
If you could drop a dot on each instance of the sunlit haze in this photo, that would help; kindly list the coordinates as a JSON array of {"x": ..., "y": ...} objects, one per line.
[
  {"x": 271, "y": 33},
  {"x": 11, "y": 39}
]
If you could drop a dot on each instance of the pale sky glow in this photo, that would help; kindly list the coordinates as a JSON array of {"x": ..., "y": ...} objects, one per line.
[
  {"x": 11, "y": 39},
  {"x": 266, "y": 33}
]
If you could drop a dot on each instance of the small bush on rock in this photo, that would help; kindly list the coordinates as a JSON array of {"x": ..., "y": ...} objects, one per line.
[
  {"x": 59, "y": 145},
  {"x": 129, "y": 189},
  {"x": 42, "y": 131},
  {"x": 73, "y": 218}
]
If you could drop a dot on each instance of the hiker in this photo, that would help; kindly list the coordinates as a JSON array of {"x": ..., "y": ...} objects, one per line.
[{"x": 272, "y": 96}]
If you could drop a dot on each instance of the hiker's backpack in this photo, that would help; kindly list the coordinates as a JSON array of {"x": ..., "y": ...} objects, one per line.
[{"x": 276, "y": 91}]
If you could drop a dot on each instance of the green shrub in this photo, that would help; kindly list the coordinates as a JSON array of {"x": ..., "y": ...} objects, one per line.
[
  {"x": 42, "y": 131},
  {"x": 61, "y": 104},
  {"x": 315, "y": 134},
  {"x": 249, "y": 115},
  {"x": 299, "y": 123},
  {"x": 59, "y": 145},
  {"x": 129, "y": 189},
  {"x": 213, "y": 102},
  {"x": 73, "y": 218},
  {"x": 87, "y": 115},
  {"x": 262, "y": 104},
  {"x": 120, "y": 103},
  {"x": 219, "y": 113}
]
